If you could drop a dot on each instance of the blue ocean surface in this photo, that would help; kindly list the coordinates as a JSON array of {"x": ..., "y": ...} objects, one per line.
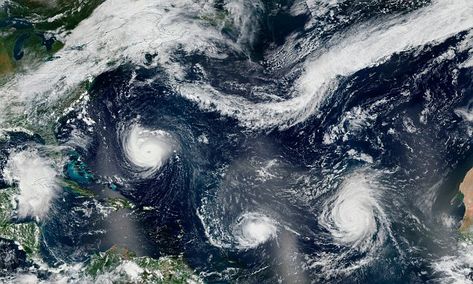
[{"x": 294, "y": 142}]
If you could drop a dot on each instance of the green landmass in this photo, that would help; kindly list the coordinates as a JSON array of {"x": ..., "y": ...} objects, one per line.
[
  {"x": 118, "y": 203},
  {"x": 123, "y": 266},
  {"x": 41, "y": 17},
  {"x": 38, "y": 22},
  {"x": 26, "y": 235},
  {"x": 77, "y": 189}
]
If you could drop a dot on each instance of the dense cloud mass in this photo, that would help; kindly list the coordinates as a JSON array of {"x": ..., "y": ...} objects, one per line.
[{"x": 222, "y": 141}]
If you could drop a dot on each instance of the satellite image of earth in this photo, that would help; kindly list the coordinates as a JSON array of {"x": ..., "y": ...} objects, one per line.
[{"x": 236, "y": 141}]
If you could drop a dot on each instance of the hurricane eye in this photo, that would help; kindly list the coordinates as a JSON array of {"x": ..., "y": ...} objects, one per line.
[{"x": 146, "y": 150}]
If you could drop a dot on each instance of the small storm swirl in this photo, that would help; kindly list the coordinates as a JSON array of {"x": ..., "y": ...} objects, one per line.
[
  {"x": 248, "y": 230},
  {"x": 253, "y": 229},
  {"x": 147, "y": 150},
  {"x": 36, "y": 180},
  {"x": 236, "y": 141},
  {"x": 354, "y": 217}
]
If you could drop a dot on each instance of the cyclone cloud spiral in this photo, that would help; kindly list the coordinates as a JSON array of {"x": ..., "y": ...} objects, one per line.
[
  {"x": 253, "y": 229},
  {"x": 147, "y": 150},
  {"x": 354, "y": 216},
  {"x": 236, "y": 141}
]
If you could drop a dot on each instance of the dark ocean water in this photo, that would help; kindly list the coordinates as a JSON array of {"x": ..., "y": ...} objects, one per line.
[
  {"x": 396, "y": 123},
  {"x": 411, "y": 162}
]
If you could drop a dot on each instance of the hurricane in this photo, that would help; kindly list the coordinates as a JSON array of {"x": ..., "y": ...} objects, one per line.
[
  {"x": 253, "y": 229},
  {"x": 236, "y": 141},
  {"x": 147, "y": 150},
  {"x": 36, "y": 180},
  {"x": 354, "y": 217}
]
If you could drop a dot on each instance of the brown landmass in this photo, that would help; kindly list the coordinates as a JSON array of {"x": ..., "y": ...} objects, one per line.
[
  {"x": 6, "y": 64},
  {"x": 466, "y": 188}
]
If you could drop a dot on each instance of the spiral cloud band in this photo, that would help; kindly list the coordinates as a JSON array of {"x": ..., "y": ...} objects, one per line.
[
  {"x": 253, "y": 229},
  {"x": 353, "y": 216},
  {"x": 146, "y": 149}
]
